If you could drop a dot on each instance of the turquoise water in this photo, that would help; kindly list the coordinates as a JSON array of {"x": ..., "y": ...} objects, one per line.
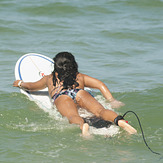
[{"x": 116, "y": 41}]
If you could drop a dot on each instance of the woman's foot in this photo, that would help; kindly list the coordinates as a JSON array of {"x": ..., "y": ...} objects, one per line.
[
  {"x": 127, "y": 127},
  {"x": 85, "y": 130}
]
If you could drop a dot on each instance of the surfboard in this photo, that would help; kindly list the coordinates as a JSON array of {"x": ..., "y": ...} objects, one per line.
[{"x": 32, "y": 67}]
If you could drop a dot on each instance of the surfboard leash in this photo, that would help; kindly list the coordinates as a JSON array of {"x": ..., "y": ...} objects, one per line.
[
  {"x": 141, "y": 132},
  {"x": 40, "y": 72}
]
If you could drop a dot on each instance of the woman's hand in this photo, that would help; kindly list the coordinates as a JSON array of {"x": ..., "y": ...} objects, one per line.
[
  {"x": 16, "y": 83},
  {"x": 32, "y": 86},
  {"x": 116, "y": 104}
]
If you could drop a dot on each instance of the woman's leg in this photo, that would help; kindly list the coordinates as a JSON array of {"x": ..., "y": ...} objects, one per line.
[
  {"x": 68, "y": 109},
  {"x": 85, "y": 100}
]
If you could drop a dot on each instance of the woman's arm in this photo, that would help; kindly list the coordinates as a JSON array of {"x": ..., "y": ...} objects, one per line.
[
  {"x": 97, "y": 84},
  {"x": 31, "y": 86}
]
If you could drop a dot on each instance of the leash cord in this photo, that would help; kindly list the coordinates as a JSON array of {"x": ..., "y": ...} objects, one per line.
[{"x": 141, "y": 131}]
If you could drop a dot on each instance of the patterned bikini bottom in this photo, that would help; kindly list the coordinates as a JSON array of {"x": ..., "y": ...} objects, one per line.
[{"x": 71, "y": 93}]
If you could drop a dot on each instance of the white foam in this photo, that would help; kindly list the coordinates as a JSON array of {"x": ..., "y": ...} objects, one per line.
[
  {"x": 33, "y": 127},
  {"x": 111, "y": 131}
]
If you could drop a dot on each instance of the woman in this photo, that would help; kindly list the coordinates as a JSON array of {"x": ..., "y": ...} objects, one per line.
[{"x": 66, "y": 88}]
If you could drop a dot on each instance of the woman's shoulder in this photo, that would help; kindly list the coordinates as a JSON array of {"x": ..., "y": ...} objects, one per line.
[
  {"x": 80, "y": 76},
  {"x": 80, "y": 80},
  {"x": 48, "y": 78}
]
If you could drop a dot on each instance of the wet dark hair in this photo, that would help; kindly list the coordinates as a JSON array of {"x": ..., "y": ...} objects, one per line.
[{"x": 67, "y": 69}]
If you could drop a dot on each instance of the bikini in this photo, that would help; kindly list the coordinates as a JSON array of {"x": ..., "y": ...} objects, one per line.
[{"x": 70, "y": 92}]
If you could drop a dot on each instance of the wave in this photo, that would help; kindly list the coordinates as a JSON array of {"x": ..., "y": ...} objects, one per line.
[
  {"x": 56, "y": 8},
  {"x": 144, "y": 3}
]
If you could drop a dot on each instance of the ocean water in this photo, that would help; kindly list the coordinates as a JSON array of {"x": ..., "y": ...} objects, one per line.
[{"x": 116, "y": 41}]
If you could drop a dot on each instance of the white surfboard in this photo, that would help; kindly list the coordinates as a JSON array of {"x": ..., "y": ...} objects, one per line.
[{"x": 32, "y": 67}]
